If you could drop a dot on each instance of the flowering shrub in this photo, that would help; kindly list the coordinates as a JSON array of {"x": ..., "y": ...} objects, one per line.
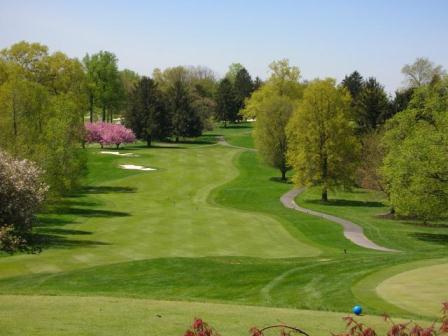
[
  {"x": 108, "y": 134},
  {"x": 200, "y": 328},
  {"x": 354, "y": 328},
  {"x": 22, "y": 192}
]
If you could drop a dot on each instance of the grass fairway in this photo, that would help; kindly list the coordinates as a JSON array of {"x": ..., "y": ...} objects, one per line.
[
  {"x": 418, "y": 290},
  {"x": 79, "y": 316},
  {"x": 165, "y": 213},
  {"x": 205, "y": 229}
]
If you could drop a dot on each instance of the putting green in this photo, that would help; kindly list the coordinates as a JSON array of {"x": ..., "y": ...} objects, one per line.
[
  {"x": 71, "y": 315},
  {"x": 420, "y": 291}
]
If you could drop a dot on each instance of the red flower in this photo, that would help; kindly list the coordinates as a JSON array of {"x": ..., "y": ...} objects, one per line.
[{"x": 197, "y": 324}]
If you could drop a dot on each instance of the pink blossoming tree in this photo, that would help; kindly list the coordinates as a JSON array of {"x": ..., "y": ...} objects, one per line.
[{"x": 108, "y": 134}]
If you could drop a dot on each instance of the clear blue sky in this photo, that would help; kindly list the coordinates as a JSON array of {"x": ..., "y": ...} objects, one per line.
[{"x": 324, "y": 38}]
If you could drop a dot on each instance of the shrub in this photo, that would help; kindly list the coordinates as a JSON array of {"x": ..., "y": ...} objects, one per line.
[{"x": 22, "y": 191}]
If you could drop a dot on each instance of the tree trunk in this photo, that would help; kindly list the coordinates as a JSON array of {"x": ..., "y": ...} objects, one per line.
[
  {"x": 118, "y": 145},
  {"x": 177, "y": 138},
  {"x": 104, "y": 114},
  {"x": 225, "y": 123},
  {"x": 324, "y": 178},
  {"x": 324, "y": 195},
  {"x": 283, "y": 174},
  {"x": 14, "y": 114},
  {"x": 148, "y": 140},
  {"x": 91, "y": 107}
]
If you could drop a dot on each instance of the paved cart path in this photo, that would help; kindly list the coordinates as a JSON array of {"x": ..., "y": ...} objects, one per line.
[{"x": 352, "y": 231}]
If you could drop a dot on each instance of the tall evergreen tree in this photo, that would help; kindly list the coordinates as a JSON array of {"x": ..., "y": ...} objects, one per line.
[
  {"x": 354, "y": 84},
  {"x": 243, "y": 87},
  {"x": 226, "y": 107},
  {"x": 146, "y": 114},
  {"x": 186, "y": 120},
  {"x": 372, "y": 106}
]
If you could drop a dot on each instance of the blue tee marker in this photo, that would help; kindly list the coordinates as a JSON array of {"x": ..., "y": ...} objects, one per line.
[{"x": 357, "y": 310}]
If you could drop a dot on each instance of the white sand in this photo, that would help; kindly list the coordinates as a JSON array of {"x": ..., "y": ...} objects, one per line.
[
  {"x": 118, "y": 153},
  {"x": 134, "y": 167}
]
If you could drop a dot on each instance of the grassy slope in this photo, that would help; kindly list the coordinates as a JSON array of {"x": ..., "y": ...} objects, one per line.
[{"x": 110, "y": 316}]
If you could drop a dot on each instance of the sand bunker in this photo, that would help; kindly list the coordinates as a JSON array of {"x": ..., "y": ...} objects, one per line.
[
  {"x": 134, "y": 167},
  {"x": 118, "y": 153}
]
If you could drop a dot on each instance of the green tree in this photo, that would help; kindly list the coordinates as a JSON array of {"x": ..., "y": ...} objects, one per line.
[
  {"x": 354, "y": 84},
  {"x": 129, "y": 80},
  {"x": 270, "y": 131},
  {"x": 415, "y": 168},
  {"x": 243, "y": 87},
  {"x": 283, "y": 81},
  {"x": 185, "y": 120},
  {"x": 234, "y": 68},
  {"x": 42, "y": 103},
  {"x": 257, "y": 83},
  {"x": 322, "y": 146},
  {"x": 104, "y": 83},
  {"x": 146, "y": 114},
  {"x": 226, "y": 105},
  {"x": 372, "y": 106}
]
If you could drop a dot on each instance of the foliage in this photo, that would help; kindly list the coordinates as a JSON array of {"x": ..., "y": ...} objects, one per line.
[
  {"x": 371, "y": 106},
  {"x": 22, "y": 192},
  {"x": 416, "y": 167},
  {"x": 322, "y": 147},
  {"x": 10, "y": 240},
  {"x": 372, "y": 154},
  {"x": 232, "y": 73},
  {"x": 104, "y": 83},
  {"x": 200, "y": 328},
  {"x": 270, "y": 134},
  {"x": 401, "y": 100},
  {"x": 354, "y": 84},
  {"x": 226, "y": 104},
  {"x": 186, "y": 121},
  {"x": 42, "y": 102},
  {"x": 370, "y": 103},
  {"x": 200, "y": 82},
  {"x": 147, "y": 114},
  {"x": 421, "y": 72},
  {"x": 108, "y": 134},
  {"x": 283, "y": 81},
  {"x": 243, "y": 87},
  {"x": 354, "y": 328}
]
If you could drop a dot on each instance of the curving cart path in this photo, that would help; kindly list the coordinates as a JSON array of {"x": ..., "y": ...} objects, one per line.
[{"x": 352, "y": 232}]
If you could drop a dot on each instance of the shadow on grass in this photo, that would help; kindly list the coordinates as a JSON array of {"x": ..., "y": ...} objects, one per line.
[
  {"x": 45, "y": 241},
  {"x": 87, "y": 190},
  {"x": 436, "y": 238},
  {"x": 349, "y": 203},
  {"x": 243, "y": 125},
  {"x": 57, "y": 231},
  {"x": 50, "y": 228},
  {"x": 278, "y": 179},
  {"x": 91, "y": 212}
]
